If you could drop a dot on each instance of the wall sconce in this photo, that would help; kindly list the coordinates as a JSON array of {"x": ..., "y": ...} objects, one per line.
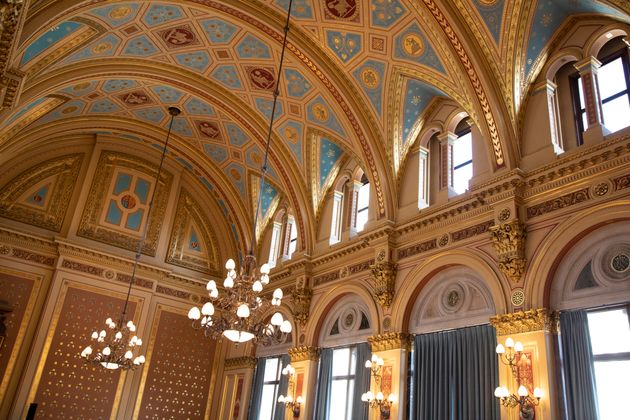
[
  {"x": 508, "y": 355},
  {"x": 290, "y": 401},
  {"x": 378, "y": 400}
]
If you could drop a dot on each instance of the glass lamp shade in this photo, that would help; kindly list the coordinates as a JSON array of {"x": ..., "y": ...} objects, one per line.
[
  {"x": 281, "y": 399},
  {"x": 391, "y": 398},
  {"x": 211, "y": 285},
  {"x": 497, "y": 392},
  {"x": 380, "y": 361},
  {"x": 230, "y": 264},
  {"x": 286, "y": 327},
  {"x": 509, "y": 343},
  {"x": 379, "y": 396},
  {"x": 368, "y": 364},
  {"x": 277, "y": 319},
  {"x": 257, "y": 286},
  {"x": 500, "y": 349},
  {"x": 243, "y": 311},
  {"x": 277, "y": 294},
  {"x": 522, "y": 391},
  {"x": 109, "y": 365},
  {"x": 228, "y": 283},
  {"x": 238, "y": 336},
  {"x": 208, "y": 309},
  {"x": 299, "y": 399},
  {"x": 194, "y": 313},
  {"x": 264, "y": 269},
  {"x": 518, "y": 346},
  {"x": 538, "y": 393}
]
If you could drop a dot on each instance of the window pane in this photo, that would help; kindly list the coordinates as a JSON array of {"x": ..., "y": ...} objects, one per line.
[
  {"x": 349, "y": 396},
  {"x": 617, "y": 113},
  {"x": 267, "y": 402},
  {"x": 581, "y": 93},
  {"x": 584, "y": 120},
  {"x": 612, "y": 391},
  {"x": 462, "y": 149},
  {"x": 338, "y": 398},
  {"x": 271, "y": 370},
  {"x": 353, "y": 361},
  {"x": 341, "y": 358},
  {"x": 461, "y": 176},
  {"x": 611, "y": 79},
  {"x": 609, "y": 330},
  {"x": 364, "y": 196}
]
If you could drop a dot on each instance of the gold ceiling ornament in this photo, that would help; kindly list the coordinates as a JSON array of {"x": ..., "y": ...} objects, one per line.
[
  {"x": 526, "y": 321},
  {"x": 119, "y": 349},
  {"x": 384, "y": 274},
  {"x": 240, "y": 313},
  {"x": 244, "y": 362},
  {"x": 390, "y": 341},
  {"x": 509, "y": 243},
  {"x": 304, "y": 353}
]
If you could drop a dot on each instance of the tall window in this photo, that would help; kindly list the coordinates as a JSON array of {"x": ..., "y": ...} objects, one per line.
[
  {"x": 292, "y": 239},
  {"x": 462, "y": 161},
  {"x": 363, "y": 203},
  {"x": 610, "y": 341},
  {"x": 335, "y": 221},
  {"x": 271, "y": 382},
  {"x": 613, "y": 79},
  {"x": 274, "y": 247},
  {"x": 342, "y": 387}
]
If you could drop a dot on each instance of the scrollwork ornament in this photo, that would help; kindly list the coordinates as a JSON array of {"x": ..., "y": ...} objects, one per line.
[
  {"x": 302, "y": 304},
  {"x": 509, "y": 244},
  {"x": 384, "y": 275}
]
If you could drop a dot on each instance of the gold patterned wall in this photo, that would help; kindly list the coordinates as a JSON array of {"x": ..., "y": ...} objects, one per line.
[
  {"x": 17, "y": 292},
  {"x": 179, "y": 373},
  {"x": 65, "y": 387}
]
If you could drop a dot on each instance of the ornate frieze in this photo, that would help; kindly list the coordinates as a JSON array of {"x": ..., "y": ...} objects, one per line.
[
  {"x": 384, "y": 274},
  {"x": 84, "y": 268},
  {"x": 172, "y": 292},
  {"x": 471, "y": 231},
  {"x": 417, "y": 249},
  {"x": 527, "y": 321},
  {"x": 244, "y": 362},
  {"x": 362, "y": 266},
  {"x": 326, "y": 278},
  {"x": 27, "y": 255},
  {"x": 390, "y": 341},
  {"x": 302, "y": 353},
  {"x": 509, "y": 244},
  {"x": 622, "y": 182},
  {"x": 558, "y": 203}
]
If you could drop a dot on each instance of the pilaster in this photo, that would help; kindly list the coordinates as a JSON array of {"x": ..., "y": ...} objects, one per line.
[{"x": 305, "y": 360}]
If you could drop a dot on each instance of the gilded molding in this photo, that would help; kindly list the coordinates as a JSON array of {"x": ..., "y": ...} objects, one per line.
[
  {"x": 522, "y": 322},
  {"x": 90, "y": 227},
  {"x": 558, "y": 203},
  {"x": 509, "y": 244},
  {"x": 66, "y": 169},
  {"x": 471, "y": 231},
  {"x": 244, "y": 362},
  {"x": 390, "y": 341},
  {"x": 303, "y": 353},
  {"x": 301, "y": 304},
  {"x": 384, "y": 274}
]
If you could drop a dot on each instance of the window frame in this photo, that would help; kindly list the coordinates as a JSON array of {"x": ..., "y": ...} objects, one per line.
[
  {"x": 276, "y": 386},
  {"x": 365, "y": 183},
  {"x": 461, "y": 133},
  {"x": 348, "y": 378}
]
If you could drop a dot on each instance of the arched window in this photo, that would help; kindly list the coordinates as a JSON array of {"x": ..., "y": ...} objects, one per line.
[
  {"x": 274, "y": 247},
  {"x": 292, "y": 237},
  {"x": 336, "y": 218},
  {"x": 363, "y": 204},
  {"x": 462, "y": 159}
]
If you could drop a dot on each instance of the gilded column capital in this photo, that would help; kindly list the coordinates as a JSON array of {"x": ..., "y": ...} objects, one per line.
[
  {"x": 302, "y": 353},
  {"x": 390, "y": 341},
  {"x": 244, "y": 362},
  {"x": 509, "y": 243},
  {"x": 521, "y": 322},
  {"x": 384, "y": 274},
  {"x": 302, "y": 304}
]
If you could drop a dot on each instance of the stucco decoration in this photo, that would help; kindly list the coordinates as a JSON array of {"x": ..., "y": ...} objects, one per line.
[
  {"x": 301, "y": 298},
  {"x": 595, "y": 271},
  {"x": 456, "y": 297},
  {"x": 384, "y": 275},
  {"x": 40, "y": 195},
  {"x": 509, "y": 244},
  {"x": 116, "y": 208},
  {"x": 193, "y": 243}
]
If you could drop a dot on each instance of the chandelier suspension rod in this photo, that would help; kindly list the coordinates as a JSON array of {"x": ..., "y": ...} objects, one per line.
[
  {"x": 173, "y": 112},
  {"x": 276, "y": 92}
]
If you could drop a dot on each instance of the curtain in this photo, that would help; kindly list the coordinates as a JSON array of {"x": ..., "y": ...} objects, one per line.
[
  {"x": 323, "y": 383},
  {"x": 257, "y": 389},
  {"x": 361, "y": 382},
  {"x": 283, "y": 387},
  {"x": 455, "y": 374},
  {"x": 577, "y": 366}
]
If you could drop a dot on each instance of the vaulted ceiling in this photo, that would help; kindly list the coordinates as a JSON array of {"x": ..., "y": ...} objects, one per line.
[{"x": 359, "y": 80}]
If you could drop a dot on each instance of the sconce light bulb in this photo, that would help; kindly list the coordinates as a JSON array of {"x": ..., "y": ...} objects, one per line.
[
  {"x": 509, "y": 343},
  {"x": 522, "y": 391}
]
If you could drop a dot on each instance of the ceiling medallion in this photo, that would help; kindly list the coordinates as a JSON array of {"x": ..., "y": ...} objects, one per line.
[
  {"x": 239, "y": 312},
  {"x": 116, "y": 347}
]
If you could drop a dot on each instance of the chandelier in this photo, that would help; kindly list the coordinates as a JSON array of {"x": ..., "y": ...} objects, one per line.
[
  {"x": 378, "y": 400},
  {"x": 116, "y": 346},
  {"x": 291, "y": 401},
  {"x": 239, "y": 311}
]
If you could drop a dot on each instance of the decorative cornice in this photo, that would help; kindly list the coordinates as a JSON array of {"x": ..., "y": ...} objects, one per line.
[
  {"x": 390, "y": 341},
  {"x": 527, "y": 321},
  {"x": 303, "y": 353},
  {"x": 244, "y": 362}
]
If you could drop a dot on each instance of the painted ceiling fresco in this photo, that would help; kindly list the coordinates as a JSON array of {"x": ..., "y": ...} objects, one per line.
[{"x": 358, "y": 82}]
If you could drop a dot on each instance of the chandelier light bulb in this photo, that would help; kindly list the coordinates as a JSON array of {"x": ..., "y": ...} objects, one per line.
[
  {"x": 522, "y": 391},
  {"x": 94, "y": 335},
  {"x": 264, "y": 269},
  {"x": 264, "y": 279},
  {"x": 230, "y": 264},
  {"x": 286, "y": 327},
  {"x": 204, "y": 320},
  {"x": 243, "y": 311},
  {"x": 107, "y": 351},
  {"x": 277, "y": 319},
  {"x": 277, "y": 294},
  {"x": 228, "y": 283},
  {"x": 87, "y": 351},
  {"x": 102, "y": 334},
  {"x": 118, "y": 335},
  {"x": 509, "y": 343},
  {"x": 211, "y": 285},
  {"x": 194, "y": 313},
  {"x": 128, "y": 354},
  {"x": 257, "y": 286},
  {"x": 207, "y": 309},
  {"x": 108, "y": 321},
  {"x": 214, "y": 293},
  {"x": 138, "y": 342}
]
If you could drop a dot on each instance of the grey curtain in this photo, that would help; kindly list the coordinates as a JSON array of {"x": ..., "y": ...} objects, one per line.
[
  {"x": 361, "y": 382},
  {"x": 283, "y": 387},
  {"x": 323, "y": 383},
  {"x": 455, "y": 374},
  {"x": 577, "y": 366},
  {"x": 257, "y": 388}
]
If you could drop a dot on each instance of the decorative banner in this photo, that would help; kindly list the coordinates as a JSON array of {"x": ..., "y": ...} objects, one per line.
[
  {"x": 525, "y": 371},
  {"x": 386, "y": 380}
]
